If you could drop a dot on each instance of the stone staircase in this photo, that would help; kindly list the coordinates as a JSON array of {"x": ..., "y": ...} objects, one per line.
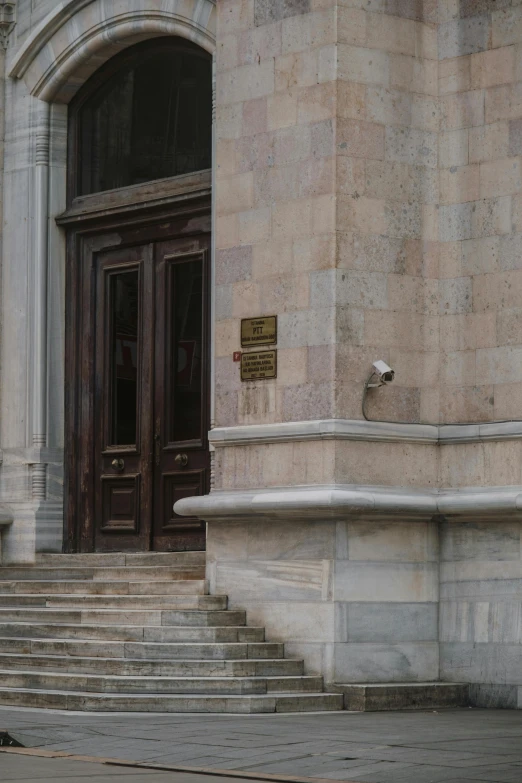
[{"x": 139, "y": 632}]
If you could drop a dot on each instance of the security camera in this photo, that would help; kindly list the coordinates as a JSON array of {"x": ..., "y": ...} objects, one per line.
[{"x": 384, "y": 373}]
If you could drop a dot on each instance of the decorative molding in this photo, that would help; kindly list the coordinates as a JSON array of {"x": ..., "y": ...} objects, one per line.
[
  {"x": 6, "y": 517},
  {"x": 362, "y": 502},
  {"x": 49, "y": 64},
  {"x": 7, "y": 20},
  {"x": 360, "y": 430}
]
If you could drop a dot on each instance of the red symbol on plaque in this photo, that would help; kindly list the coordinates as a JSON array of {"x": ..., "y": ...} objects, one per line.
[{"x": 237, "y": 356}]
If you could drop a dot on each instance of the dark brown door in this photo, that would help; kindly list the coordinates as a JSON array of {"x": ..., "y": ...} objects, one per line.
[{"x": 151, "y": 407}]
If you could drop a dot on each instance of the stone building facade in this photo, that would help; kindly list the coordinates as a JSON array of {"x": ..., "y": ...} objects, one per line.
[{"x": 367, "y": 190}]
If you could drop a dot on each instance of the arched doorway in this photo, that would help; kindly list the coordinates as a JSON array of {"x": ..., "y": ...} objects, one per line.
[{"x": 137, "y": 302}]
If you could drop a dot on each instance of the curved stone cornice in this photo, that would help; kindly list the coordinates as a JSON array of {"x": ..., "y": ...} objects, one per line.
[
  {"x": 361, "y": 430},
  {"x": 340, "y": 502},
  {"x": 79, "y": 35}
]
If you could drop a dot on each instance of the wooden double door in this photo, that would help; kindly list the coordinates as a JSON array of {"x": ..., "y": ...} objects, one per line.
[{"x": 138, "y": 376}]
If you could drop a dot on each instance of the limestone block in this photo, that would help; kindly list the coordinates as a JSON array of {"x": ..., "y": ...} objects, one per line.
[
  {"x": 388, "y": 106},
  {"x": 245, "y": 299},
  {"x": 506, "y": 27},
  {"x": 308, "y": 402},
  {"x": 350, "y": 178},
  {"x": 454, "y": 75},
  {"x": 362, "y": 65},
  {"x": 458, "y": 368},
  {"x": 495, "y": 292},
  {"x": 307, "y": 31},
  {"x": 254, "y": 116},
  {"x": 460, "y": 184},
  {"x": 425, "y": 112},
  {"x": 455, "y": 296},
  {"x": 411, "y": 145},
  {"x": 351, "y": 25},
  {"x": 377, "y": 253},
  {"x": 360, "y": 139},
  {"x": 307, "y": 328},
  {"x": 235, "y": 194},
  {"x": 268, "y": 258},
  {"x": 406, "y": 662},
  {"x": 496, "y": 66},
  {"x": 364, "y": 215},
  {"x": 389, "y": 541},
  {"x": 274, "y": 580},
  {"x": 282, "y": 110},
  {"x": 454, "y": 148},
  {"x": 481, "y": 621},
  {"x": 464, "y": 36},
  {"x": 313, "y": 104},
  {"x": 401, "y": 182},
  {"x": 351, "y": 101},
  {"x": 260, "y": 43},
  {"x": 413, "y": 294},
  {"x": 268, "y": 11},
  {"x": 245, "y": 82},
  {"x": 235, "y": 15},
  {"x": 503, "y": 102},
  {"x": 500, "y": 177},
  {"x": 480, "y": 663},
  {"x": 386, "y": 623},
  {"x": 480, "y": 256},
  {"x": 388, "y": 464},
  {"x": 466, "y": 403},
  {"x": 298, "y": 621},
  {"x": 413, "y": 74},
  {"x": 461, "y": 465},
  {"x": 503, "y": 463},
  {"x": 415, "y": 368},
  {"x": 509, "y": 327},
  {"x": 469, "y": 331},
  {"x": 383, "y": 582},
  {"x": 462, "y": 110},
  {"x": 401, "y": 330},
  {"x": 391, "y": 33},
  {"x": 223, "y": 302},
  {"x": 254, "y": 225},
  {"x": 508, "y": 400}
]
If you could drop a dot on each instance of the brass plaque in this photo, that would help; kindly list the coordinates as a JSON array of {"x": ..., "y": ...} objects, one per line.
[
  {"x": 258, "y": 365},
  {"x": 259, "y": 331}
]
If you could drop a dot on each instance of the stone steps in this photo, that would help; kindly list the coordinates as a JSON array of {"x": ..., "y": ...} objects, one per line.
[
  {"x": 249, "y": 667},
  {"x": 93, "y": 683},
  {"x": 122, "y": 559},
  {"x": 115, "y": 587},
  {"x": 102, "y": 573},
  {"x": 133, "y": 633},
  {"x": 146, "y": 650},
  {"x": 187, "y": 703},
  {"x": 108, "y": 616},
  {"x": 185, "y": 601},
  {"x": 139, "y": 632}
]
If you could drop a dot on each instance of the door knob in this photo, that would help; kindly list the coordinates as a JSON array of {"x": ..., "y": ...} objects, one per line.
[
  {"x": 181, "y": 460},
  {"x": 118, "y": 464}
]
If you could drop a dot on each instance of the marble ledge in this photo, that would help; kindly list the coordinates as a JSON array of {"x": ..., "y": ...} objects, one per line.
[
  {"x": 355, "y": 429},
  {"x": 340, "y": 501}
]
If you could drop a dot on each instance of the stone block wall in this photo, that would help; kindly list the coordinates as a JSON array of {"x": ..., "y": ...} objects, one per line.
[
  {"x": 356, "y": 599},
  {"x": 480, "y": 83},
  {"x": 481, "y": 609},
  {"x": 275, "y": 193}
]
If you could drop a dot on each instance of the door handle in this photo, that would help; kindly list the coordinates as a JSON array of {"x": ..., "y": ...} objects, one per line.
[
  {"x": 181, "y": 460},
  {"x": 118, "y": 464}
]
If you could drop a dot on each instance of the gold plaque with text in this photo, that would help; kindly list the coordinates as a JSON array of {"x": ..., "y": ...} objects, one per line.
[
  {"x": 258, "y": 365},
  {"x": 259, "y": 331}
]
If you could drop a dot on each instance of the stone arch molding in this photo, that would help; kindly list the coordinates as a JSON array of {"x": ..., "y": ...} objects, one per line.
[{"x": 78, "y": 36}]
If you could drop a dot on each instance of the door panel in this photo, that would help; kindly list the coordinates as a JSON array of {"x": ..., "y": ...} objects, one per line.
[
  {"x": 181, "y": 388},
  {"x": 123, "y": 404},
  {"x": 144, "y": 337}
]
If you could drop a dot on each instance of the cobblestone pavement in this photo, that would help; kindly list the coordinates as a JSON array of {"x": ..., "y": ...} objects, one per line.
[{"x": 454, "y": 746}]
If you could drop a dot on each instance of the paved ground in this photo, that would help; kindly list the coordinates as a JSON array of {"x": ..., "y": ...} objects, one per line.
[{"x": 464, "y": 746}]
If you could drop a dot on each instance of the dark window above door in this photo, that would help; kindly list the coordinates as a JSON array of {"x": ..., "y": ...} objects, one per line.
[{"x": 146, "y": 115}]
